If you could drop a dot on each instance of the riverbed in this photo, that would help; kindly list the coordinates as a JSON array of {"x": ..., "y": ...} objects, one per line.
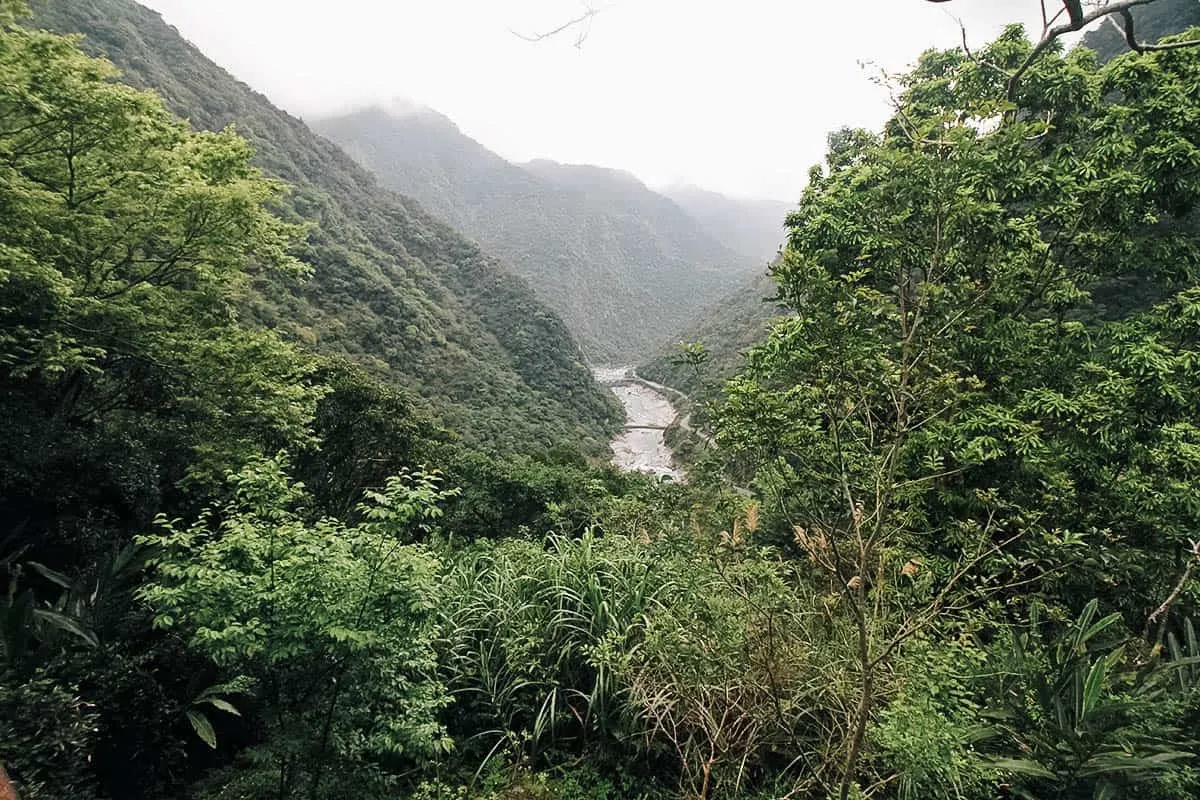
[{"x": 640, "y": 447}]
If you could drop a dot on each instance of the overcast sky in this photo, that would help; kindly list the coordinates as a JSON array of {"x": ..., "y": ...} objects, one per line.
[{"x": 732, "y": 95}]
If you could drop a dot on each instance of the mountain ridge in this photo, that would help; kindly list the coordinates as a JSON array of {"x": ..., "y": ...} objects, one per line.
[
  {"x": 625, "y": 267},
  {"x": 392, "y": 286},
  {"x": 753, "y": 227}
]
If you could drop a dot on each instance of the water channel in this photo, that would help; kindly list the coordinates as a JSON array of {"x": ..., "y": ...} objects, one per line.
[{"x": 640, "y": 447}]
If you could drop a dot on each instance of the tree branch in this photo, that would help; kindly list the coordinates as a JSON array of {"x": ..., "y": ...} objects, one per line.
[
  {"x": 1162, "y": 610},
  {"x": 1143, "y": 47},
  {"x": 1077, "y": 21},
  {"x": 577, "y": 22}
]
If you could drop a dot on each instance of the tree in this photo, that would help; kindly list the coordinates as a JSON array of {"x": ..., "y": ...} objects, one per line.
[
  {"x": 129, "y": 243},
  {"x": 330, "y": 627},
  {"x": 951, "y": 417},
  {"x": 128, "y": 385}
]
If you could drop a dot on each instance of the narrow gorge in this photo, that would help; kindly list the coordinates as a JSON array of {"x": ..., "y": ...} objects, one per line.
[{"x": 641, "y": 446}]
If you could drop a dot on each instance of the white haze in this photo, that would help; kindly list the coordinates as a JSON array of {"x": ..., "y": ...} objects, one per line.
[{"x": 731, "y": 95}]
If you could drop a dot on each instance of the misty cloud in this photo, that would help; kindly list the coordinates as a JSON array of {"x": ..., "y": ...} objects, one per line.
[{"x": 733, "y": 96}]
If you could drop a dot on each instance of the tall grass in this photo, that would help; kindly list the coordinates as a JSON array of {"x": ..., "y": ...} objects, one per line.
[{"x": 683, "y": 650}]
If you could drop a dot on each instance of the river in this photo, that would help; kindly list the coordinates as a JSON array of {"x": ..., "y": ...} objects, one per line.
[{"x": 640, "y": 447}]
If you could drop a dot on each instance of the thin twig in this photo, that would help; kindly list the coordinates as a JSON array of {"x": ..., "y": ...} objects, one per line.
[
  {"x": 579, "y": 21},
  {"x": 1178, "y": 590}
]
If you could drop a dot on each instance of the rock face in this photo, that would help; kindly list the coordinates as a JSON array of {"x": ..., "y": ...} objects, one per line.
[{"x": 641, "y": 446}]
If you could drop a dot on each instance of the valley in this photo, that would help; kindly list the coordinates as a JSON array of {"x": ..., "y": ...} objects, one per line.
[
  {"x": 625, "y": 267},
  {"x": 641, "y": 446},
  {"x": 311, "y": 487}
]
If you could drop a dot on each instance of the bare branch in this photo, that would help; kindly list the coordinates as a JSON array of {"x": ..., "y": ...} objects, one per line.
[
  {"x": 1077, "y": 21},
  {"x": 1074, "y": 11},
  {"x": 1143, "y": 47},
  {"x": 1162, "y": 610},
  {"x": 967, "y": 49},
  {"x": 581, "y": 23}
]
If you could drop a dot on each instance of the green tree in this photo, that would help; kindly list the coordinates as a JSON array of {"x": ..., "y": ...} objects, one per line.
[
  {"x": 330, "y": 627},
  {"x": 951, "y": 411},
  {"x": 128, "y": 244},
  {"x": 127, "y": 384}
]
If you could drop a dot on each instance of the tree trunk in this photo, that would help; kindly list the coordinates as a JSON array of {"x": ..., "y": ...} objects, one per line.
[{"x": 7, "y": 790}]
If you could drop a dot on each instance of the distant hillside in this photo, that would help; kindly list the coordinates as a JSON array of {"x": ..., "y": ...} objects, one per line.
[
  {"x": 396, "y": 289},
  {"x": 625, "y": 267},
  {"x": 751, "y": 227},
  {"x": 726, "y": 329},
  {"x": 1151, "y": 23}
]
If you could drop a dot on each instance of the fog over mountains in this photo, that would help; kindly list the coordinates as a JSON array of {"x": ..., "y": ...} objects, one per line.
[
  {"x": 752, "y": 227},
  {"x": 625, "y": 266},
  {"x": 393, "y": 287}
]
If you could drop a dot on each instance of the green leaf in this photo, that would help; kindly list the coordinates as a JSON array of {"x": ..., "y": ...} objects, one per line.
[
  {"x": 66, "y": 623},
  {"x": 224, "y": 705},
  {"x": 1020, "y": 766},
  {"x": 51, "y": 575},
  {"x": 1093, "y": 686},
  {"x": 203, "y": 728}
]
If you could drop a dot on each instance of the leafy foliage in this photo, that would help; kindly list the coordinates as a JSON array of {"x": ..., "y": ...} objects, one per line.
[
  {"x": 135, "y": 370},
  {"x": 946, "y": 339},
  {"x": 123, "y": 258},
  {"x": 330, "y": 625},
  {"x": 959, "y": 561},
  {"x": 950, "y": 413},
  {"x": 1090, "y": 729}
]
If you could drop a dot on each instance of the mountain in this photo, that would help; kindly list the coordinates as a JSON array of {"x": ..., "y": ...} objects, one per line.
[
  {"x": 1150, "y": 23},
  {"x": 625, "y": 267},
  {"x": 392, "y": 287},
  {"x": 753, "y": 227},
  {"x": 726, "y": 330}
]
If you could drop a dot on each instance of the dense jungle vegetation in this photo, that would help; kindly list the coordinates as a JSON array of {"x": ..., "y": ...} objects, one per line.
[{"x": 240, "y": 560}]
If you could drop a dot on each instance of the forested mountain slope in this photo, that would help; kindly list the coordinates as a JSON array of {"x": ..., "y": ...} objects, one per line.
[
  {"x": 751, "y": 227},
  {"x": 724, "y": 332},
  {"x": 735, "y": 322},
  {"x": 391, "y": 286},
  {"x": 625, "y": 267}
]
